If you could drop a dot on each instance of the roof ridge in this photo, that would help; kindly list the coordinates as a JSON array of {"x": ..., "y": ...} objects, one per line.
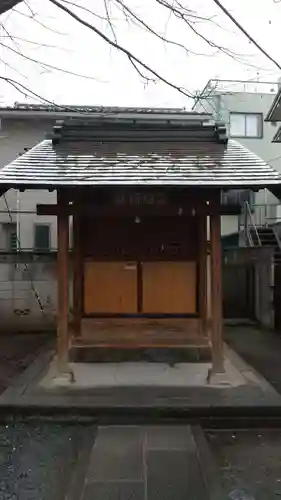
[{"x": 112, "y": 129}]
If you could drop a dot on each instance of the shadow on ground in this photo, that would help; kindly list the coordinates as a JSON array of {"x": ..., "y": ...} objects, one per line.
[
  {"x": 17, "y": 351},
  {"x": 259, "y": 348}
]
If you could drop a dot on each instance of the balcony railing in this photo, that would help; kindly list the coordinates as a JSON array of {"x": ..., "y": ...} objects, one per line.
[{"x": 232, "y": 86}]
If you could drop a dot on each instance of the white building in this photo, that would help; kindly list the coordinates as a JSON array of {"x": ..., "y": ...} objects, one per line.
[
  {"x": 243, "y": 106},
  {"x": 22, "y": 127}
]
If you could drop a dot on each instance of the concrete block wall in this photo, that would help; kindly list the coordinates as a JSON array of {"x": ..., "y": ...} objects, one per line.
[
  {"x": 20, "y": 283},
  {"x": 22, "y": 277}
]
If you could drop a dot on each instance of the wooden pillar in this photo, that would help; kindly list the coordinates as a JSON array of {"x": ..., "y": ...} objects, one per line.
[
  {"x": 216, "y": 291},
  {"x": 77, "y": 274},
  {"x": 203, "y": 284},
  {"x": 62, "y": 278}
]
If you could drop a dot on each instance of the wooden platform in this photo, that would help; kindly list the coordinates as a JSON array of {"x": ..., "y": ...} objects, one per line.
[{"x": 140, "y": 333}]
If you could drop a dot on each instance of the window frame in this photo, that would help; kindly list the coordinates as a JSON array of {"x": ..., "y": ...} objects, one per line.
[
  {"x": 245, "y": 114},
  {"x": 41, "y": 224},
  {"x": 10, "y": 230}
]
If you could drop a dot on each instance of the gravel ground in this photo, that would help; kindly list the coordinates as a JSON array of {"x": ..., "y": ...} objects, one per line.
[
  {"x": 248, "y": 461},
  {"x": 37, "y": 459},
  {"x": 16, "y": 353}
]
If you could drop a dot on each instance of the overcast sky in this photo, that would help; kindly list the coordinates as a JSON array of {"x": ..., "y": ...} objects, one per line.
[{"x": 111, "y": 79}]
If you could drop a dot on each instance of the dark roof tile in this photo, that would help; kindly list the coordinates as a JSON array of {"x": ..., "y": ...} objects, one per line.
[{"x": 201, "y": 164}]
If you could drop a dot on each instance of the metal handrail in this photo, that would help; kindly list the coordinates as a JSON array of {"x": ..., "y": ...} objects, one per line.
[
  {"x": 265, "y": 214},
  {"x": 277, "y": 237},
  {"x": 248, "y": 214}
]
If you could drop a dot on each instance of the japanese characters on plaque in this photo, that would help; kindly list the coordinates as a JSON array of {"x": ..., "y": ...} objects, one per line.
[{"x": 137, "y": 199}]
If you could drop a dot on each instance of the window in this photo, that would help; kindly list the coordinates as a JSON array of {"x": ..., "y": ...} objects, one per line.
[
  {"x": 42, "y": 237},
  {"x": 10, "y": 234},
  {"x": 246, "y": 125},
  {"x": 13, "y": 241}
]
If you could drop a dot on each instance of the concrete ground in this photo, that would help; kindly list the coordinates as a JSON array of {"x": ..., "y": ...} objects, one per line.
[
  {"x": 91, "y": 376},
  {"x": 129, "y": 386},
  {"x": 260, "y": 348}
]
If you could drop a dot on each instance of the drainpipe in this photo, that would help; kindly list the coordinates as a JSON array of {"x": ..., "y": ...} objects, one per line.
[{"x": 18, "y": 220}]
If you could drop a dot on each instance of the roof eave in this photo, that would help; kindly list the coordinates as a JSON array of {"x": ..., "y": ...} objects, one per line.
[
  {"x": 270, "y": 117},
  {"x": 6, "y": 5},
  {"x": 154, "y": 184}
]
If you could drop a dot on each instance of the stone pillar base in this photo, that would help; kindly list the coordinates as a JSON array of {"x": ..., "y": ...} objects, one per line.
[
  {"x": 218, "y": 378},
  {"x": 64, "y": 375}
]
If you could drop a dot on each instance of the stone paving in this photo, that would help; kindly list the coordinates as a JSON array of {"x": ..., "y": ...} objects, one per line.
[{"x": 144, "y": 463}]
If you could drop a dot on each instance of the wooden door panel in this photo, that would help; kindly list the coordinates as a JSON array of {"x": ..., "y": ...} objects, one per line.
[
  {"x": 110, "y": 287},
  {"x": 169, "y": 287}
]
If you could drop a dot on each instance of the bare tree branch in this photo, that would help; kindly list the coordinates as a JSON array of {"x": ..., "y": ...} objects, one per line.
[
  {"x": 191, "y": 18},
  {"x": 33, "y": 42},
  {"x": 12, "y": 39},
  {"x": 25, "y": 90},
  {"x": 259, "y": 47},
  {"x": 122, "y": 49},
  {"x": 146, "y": 78},
  {"x": 47, "y": 65},
  {"x": 181, "y": 15},
  {"x": 82, "y": 7},
  {"x": 8, "y": 65},
  {"x": 109, "y": 21},
  {"x": 191, "y": 13},
  {"x": 29, "y": 8},
  {"x": 33, "y": 18},
  {"x": 150, "y": 30}
]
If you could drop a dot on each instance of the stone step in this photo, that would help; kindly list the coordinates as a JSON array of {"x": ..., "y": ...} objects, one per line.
[{"x": 177, "y": 354}]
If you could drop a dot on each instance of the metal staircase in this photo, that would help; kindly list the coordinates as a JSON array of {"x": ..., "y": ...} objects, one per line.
[{"x": 260, "y": 236}]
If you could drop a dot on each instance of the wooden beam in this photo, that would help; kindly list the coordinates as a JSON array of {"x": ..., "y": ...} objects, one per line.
[
  {"x": 63, "y": 276},
  {"x": 203, "y": 285},
  {"x": 52, "y": 209},
  {"x": 77, "y": 275},
  {"x": 115, "y": 211},
  {"x": 216, "y": 293}
]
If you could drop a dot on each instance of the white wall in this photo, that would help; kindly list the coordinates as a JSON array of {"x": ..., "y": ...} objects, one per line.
[
  {"x": 15, "y": 135},
  {"x": 229, "y": 224}
]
